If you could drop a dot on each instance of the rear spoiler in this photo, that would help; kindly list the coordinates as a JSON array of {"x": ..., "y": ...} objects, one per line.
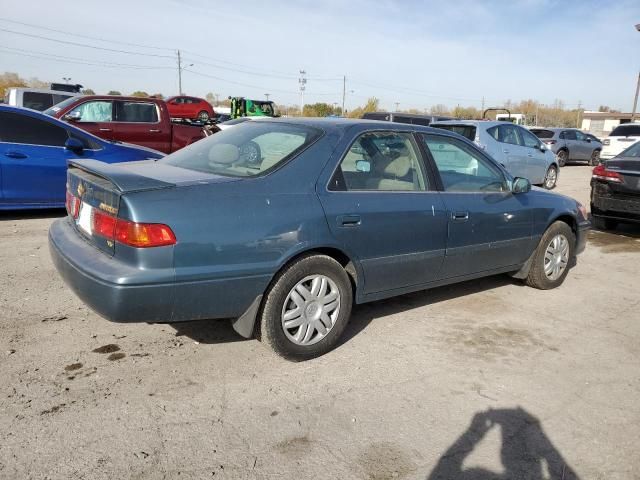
[{"x": 124, "y": 180}]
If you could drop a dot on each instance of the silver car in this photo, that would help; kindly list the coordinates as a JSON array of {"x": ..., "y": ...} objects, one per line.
[
  {"x": 570, "y": 144},
  {"x": 517, "y": 149}
]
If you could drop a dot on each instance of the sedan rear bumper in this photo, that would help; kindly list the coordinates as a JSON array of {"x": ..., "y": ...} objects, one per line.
[
  {"x": 121, "y": 293},
  {"x": 624, "y": 209}
]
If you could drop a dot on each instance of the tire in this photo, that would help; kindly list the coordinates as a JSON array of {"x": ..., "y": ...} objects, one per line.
[
  {"x": 602, "y": 223},
  {"x": 306, "y": 311},
  {"x": 595, "y": 158},
  {"x": 550, "y": 178},
  {"x": 203, "y": 116},
  {"x": 537, "y": 277},
  {"x": 563, "y": 157}
]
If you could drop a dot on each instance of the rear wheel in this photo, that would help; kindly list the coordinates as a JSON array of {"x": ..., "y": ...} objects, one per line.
[
  {"x": 562, "y": 156},
  {"x": 601, "y": 223},
  {"x": 203, "y": 116},
  {"x": 307, "y": 308},
  {"x": 551, "y": 177},
  {"x": 595, "y": 158},
  {"x": 550, "y": 263}
]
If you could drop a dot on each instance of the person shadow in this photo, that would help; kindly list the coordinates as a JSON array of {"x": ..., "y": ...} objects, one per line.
[{"x": 526, "y": 452}]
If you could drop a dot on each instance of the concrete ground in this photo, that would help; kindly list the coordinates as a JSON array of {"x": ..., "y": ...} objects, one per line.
[{"x": 486, "y": 379}]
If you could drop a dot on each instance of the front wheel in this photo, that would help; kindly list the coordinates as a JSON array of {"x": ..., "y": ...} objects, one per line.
[
  {"x": 595, "y": 158},
  {"x": 562, "y": 156},
  {"x": 551, "y": 177},
  {"x": 307, "y": 308},
  {"x": 550, "y": 263}
]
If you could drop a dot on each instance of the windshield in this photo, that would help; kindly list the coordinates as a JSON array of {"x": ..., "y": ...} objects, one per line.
[
  {"x": 468, "y": 131},
  {"x": 59, "y": 106},
  {"x": 632, "y": 151},
  {"x": 248, "y": 150},
  {"x": 626, "y": 131},
  {"x": 543, "y": 133}
]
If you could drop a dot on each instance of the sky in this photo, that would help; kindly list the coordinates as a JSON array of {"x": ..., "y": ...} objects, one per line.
[{"x": 415, "y": 53}]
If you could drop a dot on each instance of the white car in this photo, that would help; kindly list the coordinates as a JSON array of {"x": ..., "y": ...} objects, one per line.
[
  {"x": 621, "y": 138},
  {"x": 36, "y": 98}
]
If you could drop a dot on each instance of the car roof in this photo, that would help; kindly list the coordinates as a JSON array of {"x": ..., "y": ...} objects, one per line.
[
  {"x": 474, "y": 123},
  {"x": 117, "y": 97}
]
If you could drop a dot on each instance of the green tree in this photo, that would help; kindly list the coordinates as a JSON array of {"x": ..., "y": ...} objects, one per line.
[
  {"x": 319, "y": 110},
  {"x": 372, "y": 105},
  {"x": 139, "y": 93},
  {"x": 114, "y": 92}
]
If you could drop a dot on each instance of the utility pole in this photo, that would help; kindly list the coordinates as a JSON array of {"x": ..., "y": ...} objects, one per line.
[
  {"x": 302, "y": 81},
  {"x": 344, "y": 91},
  {"x": 68, "y": 79},
  {"x": 578, "y": 114},
  {"x": 397, "y": 104},
  {"x": 635, "y": 100},
  {"x": 179, "y": 74},
  {"x": 483, "y": 103},
  {"x": 267, "y": 96}
]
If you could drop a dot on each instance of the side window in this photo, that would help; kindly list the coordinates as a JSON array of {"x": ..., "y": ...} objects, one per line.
[
  {"x": 380, "y": 161},
  {"x": 529, "y": 139},
  {"x": 580, "y": 136},
  {"x": 493, "y": 131},
  {"x": 137, "y": 112},
  {"x": 570, "y": 135},
  {"x": 509, "y": 134},
  {"x": 461, "y": 168},
  {"x": 37, "y": 100},
  {"x": 561, "y": 136},
  {"x": 98, "y": 111},
  {"x": 16, "y": 128}
]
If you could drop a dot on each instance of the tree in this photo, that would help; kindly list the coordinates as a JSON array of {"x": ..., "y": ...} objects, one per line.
[
  {"x": 372, "y": 105},
  {"x": 8, "y": 80},
  {"x": 158, "y": 95},
  {"x": 139, "y": 93},
  {"x": 88, "y": 91},
  {"x": 320, "y": 110},
  {"x": 439, "y": 109},
  {"x": 114, "y": 92},
  {"x": 210, "y": 97}
]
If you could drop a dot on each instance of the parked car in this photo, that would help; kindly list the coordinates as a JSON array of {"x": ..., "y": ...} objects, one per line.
[
  {"x": 190, "y": 108},
  {"x": 34, "y": 150},
  {"x": 570, "y": 144},
  {"x": 410, "y": 118},
  {"x": 287, "y": 244},
  {"x": 514, "y": 147},
  {"x": 620, "y": 138},
  {"x": 141, "y": 121},
  {"x": 35, "y": 98},
  {"x": 615, "y": 190}
]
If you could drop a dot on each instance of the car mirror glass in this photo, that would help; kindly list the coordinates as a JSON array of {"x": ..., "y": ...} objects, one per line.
[
  {"x": 73, "y": 117},
  {"x": 363, "y": 166},
  {"x": 520, "y": 185}
]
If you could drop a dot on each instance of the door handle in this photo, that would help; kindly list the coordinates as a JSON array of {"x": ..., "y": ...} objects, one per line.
[
  {"x": 349, "y": 220},
  {"x": 505, "y": 151},
  {"x": 460, "y": 216},
  {"x": 105, "y": 129},
  {"x": 529, "y": 154},
  {"x": 14, "y": 154},
  {"x": 154, "y": 130}
]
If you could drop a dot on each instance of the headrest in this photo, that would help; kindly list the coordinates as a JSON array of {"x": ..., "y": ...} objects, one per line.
[
  {"x": 398, "y": 167},
  {"x": 224, "y": 153}
]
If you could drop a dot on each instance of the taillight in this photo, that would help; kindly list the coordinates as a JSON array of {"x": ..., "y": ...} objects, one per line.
[
  {"x": 601, "y": 173},
  {"x": 73, "y": 205},
  {"x": 606, "y": 141},
  {"x": 139, "y": 235},
  {"x": 549, "y": 142}
]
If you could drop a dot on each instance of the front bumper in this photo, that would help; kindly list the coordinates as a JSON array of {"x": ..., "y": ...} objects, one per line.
[
  {"x": 581, "y": 235},
  {"x": 122, "y": 293}
]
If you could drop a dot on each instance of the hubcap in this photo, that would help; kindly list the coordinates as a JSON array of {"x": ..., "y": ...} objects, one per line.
[
  {"x": 556, "y": 257},
  {"x": 310, "y": 310},
  {"x": 550, "y": 179},
  {"x": 204, "y": 116}
]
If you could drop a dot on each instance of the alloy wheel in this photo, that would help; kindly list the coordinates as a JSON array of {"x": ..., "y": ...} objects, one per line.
[
  {"x": 550, "y": 178},
  {"x": 310, "y": 310},
  {"x": 562, "y": 158},
  {"x": 556, "y": 257}
]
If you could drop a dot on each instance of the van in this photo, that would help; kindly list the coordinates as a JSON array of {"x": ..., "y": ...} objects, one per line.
[
  {"x": 411, "y": 118},
  {"x": 35, "y": 98}
]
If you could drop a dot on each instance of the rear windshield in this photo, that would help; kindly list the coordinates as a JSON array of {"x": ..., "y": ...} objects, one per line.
[
  {"x": 247, "y": 150},
  {"x": 468, "y": 131},
  {"x": 632, "y": 151},
  {"x": 626, "y": 131},
  {"x": 543, "y": 133}
]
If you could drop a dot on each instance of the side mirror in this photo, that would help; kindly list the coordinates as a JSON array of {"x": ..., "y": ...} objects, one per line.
[
  {"x": 72, "y": 117},
  {"x": 588, "y": 140},
  {"x": 520, "y": 185},
  {"x": 74, "y": 145},
  {"x": 541, "y": 147},
  {"x": 363, "y": 166}
]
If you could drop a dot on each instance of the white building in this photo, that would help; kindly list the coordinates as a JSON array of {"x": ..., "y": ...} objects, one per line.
[{"x": 600, "y": 124}]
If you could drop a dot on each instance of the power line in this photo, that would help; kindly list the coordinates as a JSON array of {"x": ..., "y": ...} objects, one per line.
[
  {"x": 83, "y": 36},
  {"x": 42, "y": 37}
]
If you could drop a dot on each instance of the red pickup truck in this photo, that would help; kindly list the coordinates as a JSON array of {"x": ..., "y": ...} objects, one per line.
[{"x": 141, "y": 121}]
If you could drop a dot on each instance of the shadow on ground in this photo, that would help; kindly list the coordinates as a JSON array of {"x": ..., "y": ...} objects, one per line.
[
  {"x": 32, "y": 214},
  {"x": 526, "y": 453},
  {"x": 221, "y": 331}
]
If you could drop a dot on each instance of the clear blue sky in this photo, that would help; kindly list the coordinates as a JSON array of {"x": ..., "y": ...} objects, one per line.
[{"x": 417, "y": 53}]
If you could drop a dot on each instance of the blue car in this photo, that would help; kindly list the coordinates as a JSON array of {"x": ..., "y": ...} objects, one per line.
[
  {"x": 34, "y": 150},
  {"x": 329, "y": 213}
]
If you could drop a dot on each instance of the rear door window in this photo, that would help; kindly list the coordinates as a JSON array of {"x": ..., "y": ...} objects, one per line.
[
  {"x": 529, "y": 139},
  {"x": 509, "y": 134},
  {"x": 570, "y": 135},
  {"x": 16, "y": 128},
  {"x": 137, "y": 112}
]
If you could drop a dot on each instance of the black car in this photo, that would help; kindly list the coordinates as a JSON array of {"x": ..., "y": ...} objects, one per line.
[{"x": 615, "y": 189}]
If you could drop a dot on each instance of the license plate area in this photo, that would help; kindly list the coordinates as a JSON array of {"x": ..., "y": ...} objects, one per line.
[{"x": 84, "y": 220}]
